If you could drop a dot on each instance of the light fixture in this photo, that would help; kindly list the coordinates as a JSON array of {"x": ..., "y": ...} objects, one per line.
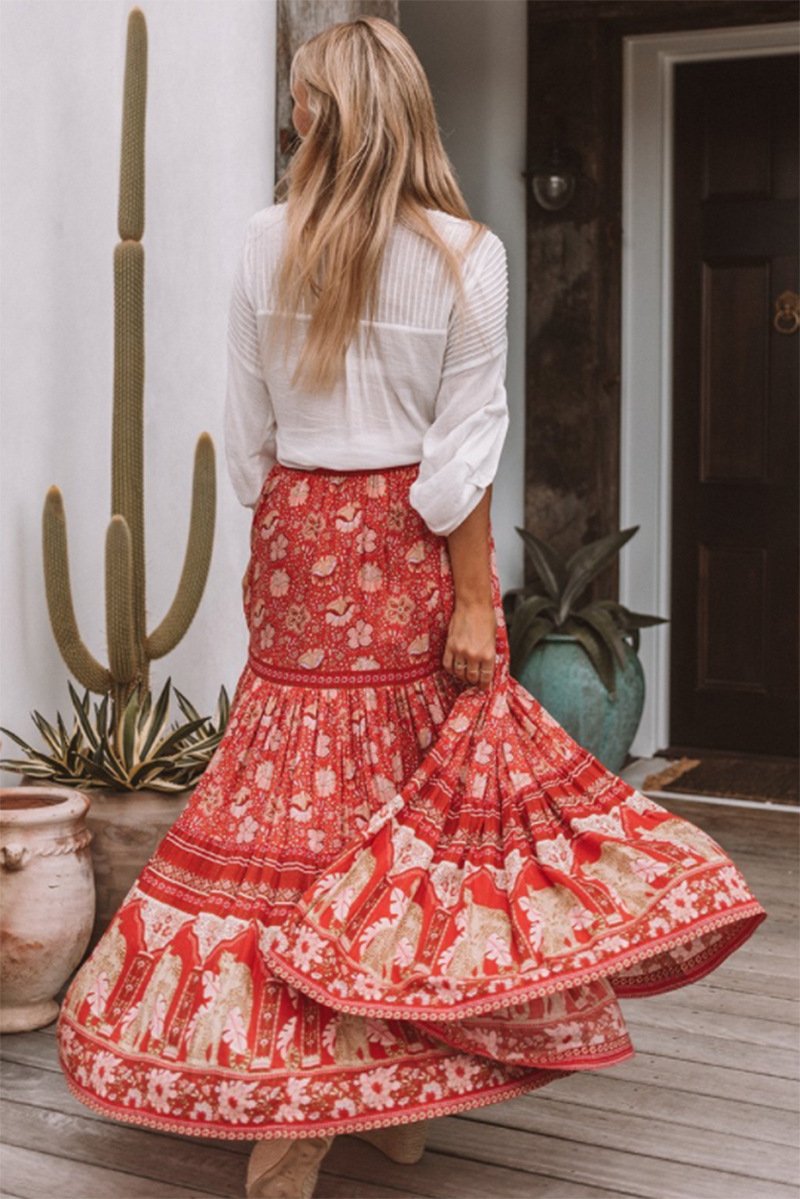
[{"x": 554, "y": 176}]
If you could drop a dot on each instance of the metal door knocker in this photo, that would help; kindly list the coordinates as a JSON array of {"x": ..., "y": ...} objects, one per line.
[{"x": 787, "y": 312}]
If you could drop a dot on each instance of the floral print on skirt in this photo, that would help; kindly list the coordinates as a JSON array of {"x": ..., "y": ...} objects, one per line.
[{"x": 392, "y": 895}]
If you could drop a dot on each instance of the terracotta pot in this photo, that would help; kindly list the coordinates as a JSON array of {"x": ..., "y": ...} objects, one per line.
[
  {"x": 48, "y": 899},
  {"x": 127, "y": 827}
]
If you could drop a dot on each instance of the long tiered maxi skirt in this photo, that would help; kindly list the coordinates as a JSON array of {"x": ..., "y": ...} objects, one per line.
[{"x": 392, "y": 895}]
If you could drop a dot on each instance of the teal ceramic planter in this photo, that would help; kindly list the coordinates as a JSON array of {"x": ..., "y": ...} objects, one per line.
[{"x": 560, "y": 675}]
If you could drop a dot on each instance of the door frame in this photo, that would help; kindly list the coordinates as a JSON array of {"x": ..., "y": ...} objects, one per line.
[{"x": 646, "y": 328}]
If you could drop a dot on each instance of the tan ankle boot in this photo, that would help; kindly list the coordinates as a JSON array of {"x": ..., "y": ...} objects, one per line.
[
  {"x": 286, "y": 1167},
  {"x": 403, "y": 1143}
]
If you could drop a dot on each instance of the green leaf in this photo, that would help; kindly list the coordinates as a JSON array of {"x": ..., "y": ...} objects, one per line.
[
  {"x": 179, "y": 735},
  {"x": 596, "y": 648},
  {"x": 607, "y": 630},
  {"x": 22, "y": 767},
  {"x": 628, "y": 619},
  {"x": 528, "y": 612},
  {"x": 47, "y": 731},
  {"x": 151, "y": 769},
  {"x": 588, "y": 561},
  {"x": 187, "y": 708},
  {"x": 157, "y": 721},
  {"x": 547, "y": 563},
  {"x": 523, "y": 649},
  {"x": 23, "y": 744},
  {"x": 81, "y": 707}
]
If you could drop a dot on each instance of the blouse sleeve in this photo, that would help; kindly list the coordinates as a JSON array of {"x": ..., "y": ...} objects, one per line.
[
  {"x": 461, "y": 448},
  {"x": 249, "y": 419}
]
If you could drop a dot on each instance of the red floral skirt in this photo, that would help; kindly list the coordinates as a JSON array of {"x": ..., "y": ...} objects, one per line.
[{"x": 392, "y": 895}]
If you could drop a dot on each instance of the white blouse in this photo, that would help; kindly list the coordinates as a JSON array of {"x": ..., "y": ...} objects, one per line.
[{"x": 428, "y": 386}]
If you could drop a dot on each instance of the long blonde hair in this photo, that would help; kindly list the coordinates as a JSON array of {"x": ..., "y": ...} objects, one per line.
[{"x": 372, "y": 156}]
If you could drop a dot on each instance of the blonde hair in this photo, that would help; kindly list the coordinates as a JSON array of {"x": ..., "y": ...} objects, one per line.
[{"x": 372, "y": 156}]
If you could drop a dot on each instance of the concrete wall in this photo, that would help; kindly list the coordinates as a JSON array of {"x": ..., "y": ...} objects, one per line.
[
  {"x": 210, "y": 156},
  {"x": 475, "y": 55}
]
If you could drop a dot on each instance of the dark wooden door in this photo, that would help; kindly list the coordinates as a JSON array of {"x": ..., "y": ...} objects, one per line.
[{"x": 734, "y": 609}]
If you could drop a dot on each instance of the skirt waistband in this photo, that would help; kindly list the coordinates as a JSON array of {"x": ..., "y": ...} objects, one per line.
[{"x": 336, "y": 470}]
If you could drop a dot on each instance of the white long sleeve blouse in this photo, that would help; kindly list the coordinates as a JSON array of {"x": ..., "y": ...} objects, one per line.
[{"x": 429, "y": 387}]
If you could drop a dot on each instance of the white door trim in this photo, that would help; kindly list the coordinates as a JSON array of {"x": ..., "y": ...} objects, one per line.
[{"x": 646, "y": 350}]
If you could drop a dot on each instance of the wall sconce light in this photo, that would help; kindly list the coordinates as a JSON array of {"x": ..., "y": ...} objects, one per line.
[{"x": 554, "y": 176}]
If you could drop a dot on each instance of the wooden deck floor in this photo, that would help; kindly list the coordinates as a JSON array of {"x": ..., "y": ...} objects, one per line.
[{"x": 707, "y": 1108}]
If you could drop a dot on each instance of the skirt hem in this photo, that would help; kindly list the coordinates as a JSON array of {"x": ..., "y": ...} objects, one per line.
[
  {"x": 750, "y": 916},
  {"x": 296, "y": 1129}
]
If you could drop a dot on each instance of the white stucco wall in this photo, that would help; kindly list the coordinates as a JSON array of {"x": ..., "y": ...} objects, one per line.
[
  {"x": 475, "y": 55},
  {"x": 210, "y": 155}
]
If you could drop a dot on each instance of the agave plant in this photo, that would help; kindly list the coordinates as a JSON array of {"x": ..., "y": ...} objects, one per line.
[
  {"x": 600, "y": 626},
  {"x": 137, "y": 751}
]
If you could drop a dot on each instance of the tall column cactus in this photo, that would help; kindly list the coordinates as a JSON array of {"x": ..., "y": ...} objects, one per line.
[{"x": 130, "y": 647}]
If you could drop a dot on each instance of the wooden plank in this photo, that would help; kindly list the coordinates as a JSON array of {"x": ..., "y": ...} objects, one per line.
[
  {"x": 337, "y": 1186},
  {"x": 160, "y": 1159},
  {"x": 725, "y": 1081},
  {"x": 713, "y": 1051},
  {"x": 750, "y": 981},
  {"x": 758, "y": 955},
  {"x": 30, "y": 1175},
  {"x": 778, "y": 933},
  {"x": 31, "y": 1049},
  {"x": 595, "y": 1089},
  {"x": 713, "y": 997},
  {"x": 191, "y": 1165},
  {"x": 34, "y": 1087},
  {"x": 443, "y": 1175},
  {"x": 695, "y": 1021},
  {"x": 736, "y": 1148},
  {"x": 628, "y": 1172}
]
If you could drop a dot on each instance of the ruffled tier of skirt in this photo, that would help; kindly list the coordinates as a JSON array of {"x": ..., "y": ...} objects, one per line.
[
  {"x": 392, "y": 895},
  {"x": 285, "y": 967}
]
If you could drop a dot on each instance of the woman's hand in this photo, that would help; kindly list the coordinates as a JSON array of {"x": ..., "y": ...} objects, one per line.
[
  {"x": 471, "y": 637},
  {"x": 471, "y": 640},
  {"x": 244, "y": 580}
]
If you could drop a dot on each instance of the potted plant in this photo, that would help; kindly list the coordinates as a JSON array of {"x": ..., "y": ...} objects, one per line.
[
  {"x": 579, "y": 659},
  {"x": 107, "y": 755},
  {"x": 140, "y": 772}
]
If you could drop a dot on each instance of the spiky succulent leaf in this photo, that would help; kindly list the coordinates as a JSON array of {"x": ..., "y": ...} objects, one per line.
[
  {"x": 548, "y": 565},
  {"x": 47, "y": 731},
  {"x": 595, "y": 555},
  {"x": 607, "y": 629},
  {"x": 157, "y": 719},
  {"x": 595, "y": 646},
  {"x": 81, "y": 707},
  {"x": 527, "y": 612},
  {"x": 628, "y": 619},
  {"x": 187, "y": 708},
  {"x": 588, "y": 561},
  {"x": 138, "y": 752},
  {"x": 22, "y": 744},
  {"x": 534, "y": 633}
]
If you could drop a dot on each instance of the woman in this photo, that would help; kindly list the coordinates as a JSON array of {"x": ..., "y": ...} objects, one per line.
[{"x": 400, "y": 889}]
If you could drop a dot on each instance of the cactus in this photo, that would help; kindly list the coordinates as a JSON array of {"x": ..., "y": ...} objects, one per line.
[{"x": 130, "y": 647}]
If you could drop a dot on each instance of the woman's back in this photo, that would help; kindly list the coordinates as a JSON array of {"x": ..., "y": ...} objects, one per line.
[{"x": 423, "y": 381}]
